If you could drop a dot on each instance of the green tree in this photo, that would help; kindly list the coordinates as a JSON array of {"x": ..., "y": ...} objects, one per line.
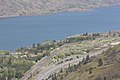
[
  {"x": 86, "y": 59},
  {"x": 100, "y": 62},
  {"x": 33, "y": 46},
  {"x": 38, "y": 44},
  {"x": 61, "y": 71},
  {"x": 10, "y": 61},
  {"x": 114, "y": 34},
  {"x": 90, "y": 72}
]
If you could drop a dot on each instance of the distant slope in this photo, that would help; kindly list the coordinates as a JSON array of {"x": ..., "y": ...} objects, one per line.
[
  {"x": 42, "y": 7},
  {"x": 110, "y": 70}
]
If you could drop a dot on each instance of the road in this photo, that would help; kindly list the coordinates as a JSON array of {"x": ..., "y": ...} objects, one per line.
[
  {"x": 47, "y": 71},
  {"x": 43, "y": 69},
  {"x": 39, "y": 66}
]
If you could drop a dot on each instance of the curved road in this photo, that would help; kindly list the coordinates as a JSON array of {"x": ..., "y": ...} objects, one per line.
[{"x": 47, "y": 71}]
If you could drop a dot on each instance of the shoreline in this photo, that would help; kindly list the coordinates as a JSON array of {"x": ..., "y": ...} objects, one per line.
[
  {"x": 62, "y": 11},
  {"x": 72, "y": 36},
  {"x": 11, "y": 16}
]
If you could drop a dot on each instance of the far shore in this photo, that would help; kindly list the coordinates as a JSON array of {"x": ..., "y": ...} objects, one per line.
[
  {"x": 9, "y": 16},
  {"x": 49, "y": 13}
]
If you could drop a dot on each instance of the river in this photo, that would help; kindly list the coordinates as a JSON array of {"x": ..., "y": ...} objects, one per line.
[{"x": 22, "y": 31}]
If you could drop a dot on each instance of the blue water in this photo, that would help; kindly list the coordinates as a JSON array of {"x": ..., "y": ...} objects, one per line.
[{"x": 23, "y": 31}]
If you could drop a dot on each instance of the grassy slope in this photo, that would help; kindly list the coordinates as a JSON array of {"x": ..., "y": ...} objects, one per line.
[
  {"x": 109, "y": 70},
  {"x": 80, "y": 48}
]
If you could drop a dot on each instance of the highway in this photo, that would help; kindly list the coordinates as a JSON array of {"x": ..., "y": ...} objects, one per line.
[{"x": 47, "y": 71}]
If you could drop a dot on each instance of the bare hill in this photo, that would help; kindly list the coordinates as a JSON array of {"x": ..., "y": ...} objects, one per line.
[{"x": 42, "y": 7}]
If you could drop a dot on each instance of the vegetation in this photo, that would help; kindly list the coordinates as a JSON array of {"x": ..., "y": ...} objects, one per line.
[
  {"x": 14, "y": 66},
  {"x": 106, "y": 66},
  {"x": 11, "y": 67},
  {"x": 4, "y": 52},
  {"x": 50, "y": 45},
  {"x": 86, "y": 46},
  {"x": 100, "y": 62}
]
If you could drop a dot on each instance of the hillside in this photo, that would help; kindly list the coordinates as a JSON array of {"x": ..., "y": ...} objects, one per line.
[
  {"x": 108, "y": 70},
  {"x": 47, "y": 58},
  {"x": 43, "y": 7},
  {"x": 67, "y": 56}
]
